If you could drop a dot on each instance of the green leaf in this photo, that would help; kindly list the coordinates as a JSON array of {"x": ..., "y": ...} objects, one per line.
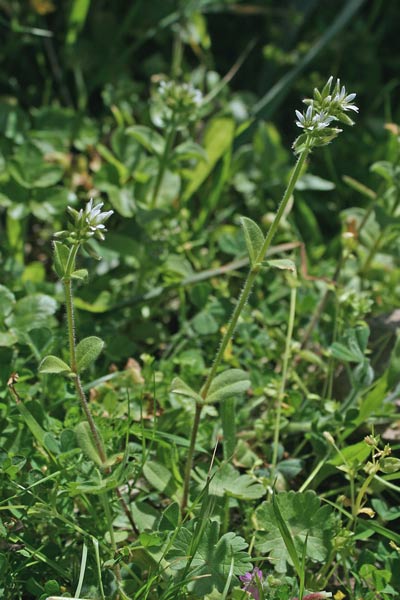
[
  {"x": 53, "y": 364},
  {"x": 61, "y": 254},
  {"x": 7, "y": 339},
  {"x": 77, "y": 18},
  {"x": 87, "y": 351},
  {"x": 189, "y": 150},
  {"x": 170, "y": 518},
  {"x": 254, "y": 238},
  {"x": 218, "y": 138},
  {"x": 101, "y": 304},
  {"x": 393, "y": 375},
  {"x": 305, "y": 519},
  {"x": 354, "y": 454},
  {"x": 204, "y": 323},
  {"x": 81, "y": 274},
  {"x": 7, "y": 301},
  {"x": 228, "y": 481},
  {"x": 51, "y": 444},
  {"x": 32, "y": 312},
  {"x": 341, "y": 352},
  {"x": 178, "y": 386},
  {"x": 389, "y": 464},
  {"x": 121, "y": 199},
  {"x": 287, "y": 537},
  {"x": 313, "y": 182},
  {"x": 144, "y": 515},
  {"x": 37, "y": 431},
  {"x": 211, "y": 556},
  {"x": 86, "y": 443},
  {"x": 283, "y": 264},
  {"x": 159, "y": 476},
  {"x": 229, "y": 383},
  {"x": 150, "y": 140},
  {"x": 29, "y": 168}
]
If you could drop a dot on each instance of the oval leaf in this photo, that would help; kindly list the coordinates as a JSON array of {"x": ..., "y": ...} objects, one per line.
[
  {"x": 148, "y": 138},
  {"x": 189, "y": 150},
  {"x": 61, "y": 254},
  {"x": 87, "y": 351},
  {"x": 53, "y": 364},
  {"x": 254, "y": 238},
  {"x": 178, "y": 386},
  {"x": 227, "y": 384},
  {"x": 86, "y": 443},
  {"x": 285, "y": 264},
  {"x": 81, "y": 274}
]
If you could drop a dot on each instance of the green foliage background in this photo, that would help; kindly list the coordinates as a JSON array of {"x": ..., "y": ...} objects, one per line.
[{"x": 79, "y": 106}]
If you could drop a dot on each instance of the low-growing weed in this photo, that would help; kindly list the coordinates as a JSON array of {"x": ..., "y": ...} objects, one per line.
[{"x": 260, "y": 483}]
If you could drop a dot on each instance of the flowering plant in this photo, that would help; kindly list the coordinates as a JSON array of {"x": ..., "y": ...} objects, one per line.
[
  {"x": 253, "y": 583},
  {"x": 326, "y": 107}
]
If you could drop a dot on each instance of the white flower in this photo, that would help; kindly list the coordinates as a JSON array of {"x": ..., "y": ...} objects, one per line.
[
  {"x": 342, "y": 99},
  {"x": 313, "y": 122}
]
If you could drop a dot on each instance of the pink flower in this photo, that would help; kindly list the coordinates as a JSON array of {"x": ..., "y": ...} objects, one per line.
[
  {"x": 252, "y": 582},
  {"x": 315, "y": 596}
]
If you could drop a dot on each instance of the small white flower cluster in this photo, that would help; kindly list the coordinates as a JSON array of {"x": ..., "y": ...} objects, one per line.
[
  {"x": 324, "y": 108},
  {"x": 87, "y": 223},
  {"x": 312, "y": 122},
  {"x": 175, "y": 102},
  {"x": 185, "y": 93}
]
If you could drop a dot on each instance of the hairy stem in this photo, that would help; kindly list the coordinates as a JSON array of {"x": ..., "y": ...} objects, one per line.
[
  {"x": 77, "y": 381},
  {"x": 243, "y": 298},
  {"x": 79, "y": 389},
  {"x": 189, "y": 462},
  {"x": 254, "y": 271}
]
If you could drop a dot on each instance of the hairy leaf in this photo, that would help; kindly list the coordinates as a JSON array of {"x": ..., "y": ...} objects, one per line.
[
  {"x": 254, "y": 238},
  {"x": 229, "y": 383},
  {"x": 53, "y": 364},
  {"x": 87, "y": 351},
  {"x": 178, "y": 386},
  {"x": 86, "y": 443}
]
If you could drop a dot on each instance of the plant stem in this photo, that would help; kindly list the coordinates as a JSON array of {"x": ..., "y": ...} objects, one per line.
[
  {"x": 77, "y": 381},
  {"x": 285, "y": 365},
  {"x": 244, "y": 296},
  {"x": 188, "y": 469},
  {"x": 163, "y": 161},
  {"x": 254, "y": 271},
  {"x": 78, "y": 384}
]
